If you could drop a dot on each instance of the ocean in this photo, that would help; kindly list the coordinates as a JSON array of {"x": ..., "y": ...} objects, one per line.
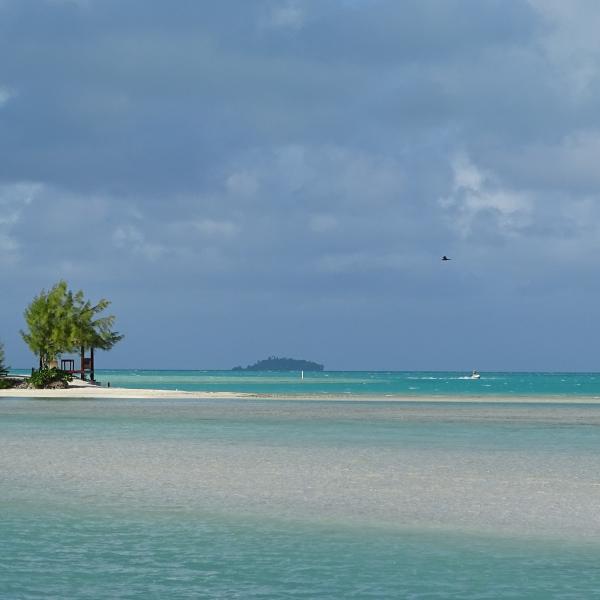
[
  {"x": 361, "y": 383},
  {"x": 333, "y": 497}
]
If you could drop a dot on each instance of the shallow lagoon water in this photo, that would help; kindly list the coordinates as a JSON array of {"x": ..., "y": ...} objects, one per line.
[{"x": 292, "y": 499}]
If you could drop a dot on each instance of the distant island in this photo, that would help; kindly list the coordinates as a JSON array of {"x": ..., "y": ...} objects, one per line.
[{"x": 274, "y": 363}]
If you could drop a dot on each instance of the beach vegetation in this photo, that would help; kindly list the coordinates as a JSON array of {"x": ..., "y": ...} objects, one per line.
[
  {"x": 90, "y": 330},
  {"x": 60, "y": 320},
  {"x": 3, "y": 367},
  {"x": 49, "y": 320},
  {"x": 5, "y": 382},
  {"x": 44, "y": 378}
]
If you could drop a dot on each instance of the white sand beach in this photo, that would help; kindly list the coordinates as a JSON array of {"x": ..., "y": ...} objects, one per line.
[{"x": 84, "y": 389}]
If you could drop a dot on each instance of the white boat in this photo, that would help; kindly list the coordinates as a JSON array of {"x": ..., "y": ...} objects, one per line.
[{"x": 475, "y": 375}]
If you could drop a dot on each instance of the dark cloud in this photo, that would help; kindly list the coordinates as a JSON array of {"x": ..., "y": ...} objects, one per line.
[{"x": 248, "y": 178}]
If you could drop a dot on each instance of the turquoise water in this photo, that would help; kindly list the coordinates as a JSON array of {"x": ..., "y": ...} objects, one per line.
[
  {"x": 101, "y": 557},
  {"x": 361, "y": 383},
  {"x": 294, "y": 499}
]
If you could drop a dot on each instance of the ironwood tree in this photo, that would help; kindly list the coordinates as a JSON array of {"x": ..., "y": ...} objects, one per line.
[{"x": 60, "y": 321}]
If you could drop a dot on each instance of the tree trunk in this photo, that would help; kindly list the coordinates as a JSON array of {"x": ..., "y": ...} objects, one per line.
[
  {"x": 92, "y": 376},
  {"x": 83, "y": 363}
]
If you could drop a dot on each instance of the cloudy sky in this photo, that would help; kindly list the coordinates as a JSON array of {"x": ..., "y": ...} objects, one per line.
[{"x": 246, "y": 178}]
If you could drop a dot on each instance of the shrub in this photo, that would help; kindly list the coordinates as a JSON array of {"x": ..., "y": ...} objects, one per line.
[
  {"x": 44, "y": 377},
  {"x": 3, "y": 367},
  {"x": 6, "y": 384}
]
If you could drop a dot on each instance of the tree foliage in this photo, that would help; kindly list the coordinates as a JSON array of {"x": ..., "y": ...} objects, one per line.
[
  {"x": 90, "y": 329},
  {"x": 60, "y": 320},
  {"x": 49, "y": 319}
]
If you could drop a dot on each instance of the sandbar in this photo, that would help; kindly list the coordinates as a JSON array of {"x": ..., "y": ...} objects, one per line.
[{"x": 84, "y": 389}]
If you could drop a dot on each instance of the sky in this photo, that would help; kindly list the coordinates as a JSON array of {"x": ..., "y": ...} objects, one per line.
[{"x": 281, "y": 177}]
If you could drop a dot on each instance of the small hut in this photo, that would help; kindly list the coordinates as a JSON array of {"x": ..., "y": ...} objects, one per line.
[{"x": 86, "y": 365}]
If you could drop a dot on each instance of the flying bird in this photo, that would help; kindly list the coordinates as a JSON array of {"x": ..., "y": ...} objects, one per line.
[{"x": 445, "y": 258}]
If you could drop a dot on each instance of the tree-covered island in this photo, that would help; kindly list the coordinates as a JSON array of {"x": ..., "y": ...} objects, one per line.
[{"x": 275, "y": 363}]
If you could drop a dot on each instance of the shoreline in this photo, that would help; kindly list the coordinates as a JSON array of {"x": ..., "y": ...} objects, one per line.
[
  {"x": 115, "y": 393},
  {"x": 85, "y": 390}
]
